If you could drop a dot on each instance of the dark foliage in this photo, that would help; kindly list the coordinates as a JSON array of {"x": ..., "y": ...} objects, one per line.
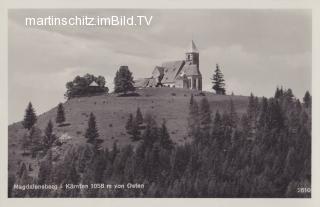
[
  {"x": 92, "y": 131},
  {"x": 30, "y": 117},
  {"x": 60, "y": 118},
  {"x": 123, "y": 81},
  {"x": 218, "y": 81},
  {"x": 80, "y": 86},
  {"x": 264, "y": 152}
]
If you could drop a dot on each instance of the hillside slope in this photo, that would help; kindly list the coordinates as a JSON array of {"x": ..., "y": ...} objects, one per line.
[{"x": 112, "y": 113}]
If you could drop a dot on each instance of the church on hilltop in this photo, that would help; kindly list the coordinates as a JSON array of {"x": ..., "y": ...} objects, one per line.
[{"x": 177, "y": 74}]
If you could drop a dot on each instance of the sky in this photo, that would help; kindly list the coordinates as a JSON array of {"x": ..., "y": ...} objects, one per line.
[{"x": 257, "y": 50}]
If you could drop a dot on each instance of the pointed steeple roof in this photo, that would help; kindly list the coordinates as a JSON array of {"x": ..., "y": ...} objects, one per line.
[{"x": 192, "y": 48}]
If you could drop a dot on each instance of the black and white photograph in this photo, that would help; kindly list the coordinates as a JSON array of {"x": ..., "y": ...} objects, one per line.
[{"x": 159, "y": 103}]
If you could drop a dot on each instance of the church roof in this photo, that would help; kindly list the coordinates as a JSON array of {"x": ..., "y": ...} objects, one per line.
[
  {"x": 158, "y": 70},
  {"x": 192, "y": 48},
  {"x": 171, "y": 69},
  {"x": 94, "y": 83}
]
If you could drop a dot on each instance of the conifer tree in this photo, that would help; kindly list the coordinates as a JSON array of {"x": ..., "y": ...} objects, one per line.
[
  {"x": 30, "y": 117},
  {"x": 139, "y": 117},
  {"x": 193, "y": 119},
  {"x": 263, "y": 113},
  {"x": 135, "y": 131},
  {"x": 49, "y": 137},
  {"x": 277, "y": 93},
  {"x": 60, "y": 114},
  {"x": 205, "y": 114},
  {"x": 129, "y": 123},
  {"x": 92, "y": 132},
  {"x": 150, "y": 134},
  {"x": 217, "y": 131},
  {"x": 123, "y": 81},
  {"x": 307, "y": 99},
  {"x": 165, "y": 140},
  {"x": 218, "y": 81},
  {"x": 25, "y": 143},
  {"x": 233, "y": 116},
  {"x": 45, "y": 169}
]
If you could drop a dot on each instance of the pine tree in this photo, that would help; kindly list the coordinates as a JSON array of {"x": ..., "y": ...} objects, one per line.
[
  {"x": 277, "y": 93},
  {"x": 218, "y": 81},
  {"x": 30, "y": 117},
  {"x": 205, "y": 114},
  {"x": 45, "y": 169},
  {"x": 165, "y": 140},
  {"x": 139, "y": 117},
  {"x": 263, "y": 114},
  {"x": 49, "y": 137},
  {"x": 135, "y": 131},
  {"x": 233, "y": 116},
  {"x": 60, "y": 114},
  {"x": 129, "y": 123},
  {"x": 193, "y": 119},
  {"x": 307, "y": 99},
  {"x": 123, "y": 81},
  {"x": 150, "y": 134},
  {"x": 92, "y": 132},
  {"x": 25, "y": 143},
  {"x": 217, "y": 131}
]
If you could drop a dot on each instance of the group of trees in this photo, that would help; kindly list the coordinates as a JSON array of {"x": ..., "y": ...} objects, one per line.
[
  {"x": 134, "y": 125},
  {"x": 264, "y": 152},
  {"x": 80, "y": 86},
  {"x": 34, "y": 140}
]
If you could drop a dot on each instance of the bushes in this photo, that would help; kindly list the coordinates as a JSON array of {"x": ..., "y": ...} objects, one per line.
[{"x": 86, "y": 85}]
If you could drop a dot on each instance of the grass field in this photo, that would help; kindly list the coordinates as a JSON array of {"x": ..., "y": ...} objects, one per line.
[{"x": 112, "y": 113}]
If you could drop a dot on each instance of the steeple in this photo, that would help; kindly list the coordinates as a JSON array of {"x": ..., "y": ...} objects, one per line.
[
  {"x": 192, "y": 55},
  {"x": 192, "y": 48}
]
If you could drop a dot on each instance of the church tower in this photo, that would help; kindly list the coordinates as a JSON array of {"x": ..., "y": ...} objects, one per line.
[
  {"x": 192, "y": 55},
  {"x": 191, "y": 68}
]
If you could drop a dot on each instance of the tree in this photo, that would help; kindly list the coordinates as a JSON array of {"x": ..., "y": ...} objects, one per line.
[
  {"x": 205, "y": 114},
  {"x": 307, "y": 99},
  {"x": 49, "y": 137},
  {"x": 150, "y": 134},
  {"x": 36, "y": 140},
  {"x": 129, "y": 123},
  {"x": 80, "y": 86},
  {"x": 233, "y": 116},
  {"x": 193, "y": 119},
  {"x": 60, "y": 114},
  {"x": 165, "y": 140},
  {"x": 139, "y": 117},
  {"x": 123, "y": 81},
  {"x": 101, "y": 81},
  {"x": 135, "y": 131},
  {"x": 218, "y": 81},
  {"x": 45, "y": 170},
  {"x": 133, "y": 128},
  {"x": 30, "y": 117},
  {"x": 92, "y": 132}
]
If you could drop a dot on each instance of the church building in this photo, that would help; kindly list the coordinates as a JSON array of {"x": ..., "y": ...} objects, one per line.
[{"x": 177, "y": 74}]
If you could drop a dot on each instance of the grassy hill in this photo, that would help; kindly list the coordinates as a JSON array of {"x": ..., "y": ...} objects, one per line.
[{"x": 112, "y": 113}]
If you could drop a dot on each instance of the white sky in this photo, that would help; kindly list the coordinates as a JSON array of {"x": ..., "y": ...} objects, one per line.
[{"x": 257, "y": 50}]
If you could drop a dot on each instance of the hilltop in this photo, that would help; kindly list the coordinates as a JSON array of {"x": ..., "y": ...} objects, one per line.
[{"x": 112, "y": 113}]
